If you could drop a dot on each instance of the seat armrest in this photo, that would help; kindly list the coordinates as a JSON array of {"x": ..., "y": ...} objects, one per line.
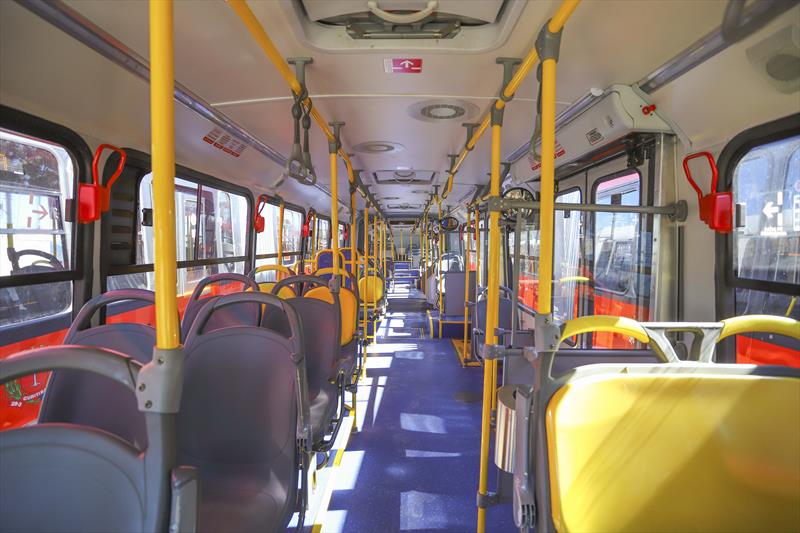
[{"x": 185, "y": 499}]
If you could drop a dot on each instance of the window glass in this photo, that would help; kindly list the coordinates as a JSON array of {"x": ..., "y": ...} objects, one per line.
[
  {"x": 766, "y": 245},
  {"x": 767, "y": 183},
  {"x": 210, "y": 224},
  {"x": 342, "y": 240},
  {"x": 568, "y": 280},
  {"x": 267, "y": 240},
  {"x": 323, "y": 234},
  {"x": 529, "y": 259},
  {"x": 622, "y": 258},
  {"x": 36, "y": 179}
]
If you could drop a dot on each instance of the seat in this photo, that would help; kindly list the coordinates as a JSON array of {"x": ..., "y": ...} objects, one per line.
[
  {"x": 349, "y": 302},
  {"x": 324, "y": 259},
  {"x": 88, "y": 399},
  {"x": 325, "y": 373},
  {"x": 673, "y": 446},
  {"x": 76, "y": 478},
  {"x": 243, "y": 417},
  {"x": 244, "y": 314},
  {"x": 279, "y": 272},
  {"x": 479, "y": 318}
]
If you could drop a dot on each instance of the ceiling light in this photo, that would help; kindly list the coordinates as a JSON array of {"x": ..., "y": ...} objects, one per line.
[{"x": 378, "y": 147}]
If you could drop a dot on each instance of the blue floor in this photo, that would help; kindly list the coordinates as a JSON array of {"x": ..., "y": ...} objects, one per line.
[{"x": 420, "y": 440}]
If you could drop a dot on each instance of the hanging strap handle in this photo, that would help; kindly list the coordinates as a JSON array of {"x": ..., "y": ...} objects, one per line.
[
  {"x": 688, "y": 172},
  {"x": 410, "y": 18}
]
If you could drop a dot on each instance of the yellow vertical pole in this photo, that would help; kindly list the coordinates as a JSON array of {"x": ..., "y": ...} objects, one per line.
[
  {"x": 439, "y": 263},
  {"x": 364, "y": 273},
  {"x": 162, "y": 124},
  {"x": 477, "y": 251},
  {"x": 353, "y": 250},
  {"x": 281, "y": 210},
  {"x": 546, "y": 213},
  {"x": 334, "y": 213},
  {"x": 492, "y": 304},
  {"x": 466, "y": 286}
]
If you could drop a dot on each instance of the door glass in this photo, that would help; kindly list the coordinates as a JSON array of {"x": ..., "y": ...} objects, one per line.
[{"x": 622, "y": 258}]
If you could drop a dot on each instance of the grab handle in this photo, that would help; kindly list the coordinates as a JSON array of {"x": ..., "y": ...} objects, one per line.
[{"x": 410, "y": 18}]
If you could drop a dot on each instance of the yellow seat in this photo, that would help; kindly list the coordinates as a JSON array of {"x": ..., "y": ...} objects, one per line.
[
  {"x": 281, "y": 272},
  {"x": 370, "y": 288},
  {"x": 675, "y": 451},
  {"x": 348, "y": 305},
  {"x": 284, "y": 293}
]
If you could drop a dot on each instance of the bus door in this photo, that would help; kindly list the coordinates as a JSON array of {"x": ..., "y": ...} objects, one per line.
[{"x": 619, "y": 246}]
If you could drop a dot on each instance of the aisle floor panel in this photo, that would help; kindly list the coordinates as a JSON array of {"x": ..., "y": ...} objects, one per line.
[{"x": 414, "y": 464}]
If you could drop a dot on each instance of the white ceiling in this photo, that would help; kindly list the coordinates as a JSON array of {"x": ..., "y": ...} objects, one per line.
[{"x": 49, "y": 74}]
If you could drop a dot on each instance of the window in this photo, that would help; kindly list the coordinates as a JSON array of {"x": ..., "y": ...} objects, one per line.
[
  {"x": 766, "y": 246},
  {"x": 323, "y": 234},
  {"x": 210, "y": 233},
  {"x": 568, "y": 280},
  {"x": 621, "y": 266},
  {"x": 267, "y": 241},
  {"x": 36, "y": 179},
  {"x": 566, "y": 257},
  {"x": 342, "y": 232}
]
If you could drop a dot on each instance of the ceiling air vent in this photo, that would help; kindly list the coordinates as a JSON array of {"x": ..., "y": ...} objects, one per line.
[
  {"x": 442, "y": 110},
  {"x": 470, "y": 26}
]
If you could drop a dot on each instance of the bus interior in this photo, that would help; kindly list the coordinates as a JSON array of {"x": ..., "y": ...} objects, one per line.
[{"x": 399, "y": 265}]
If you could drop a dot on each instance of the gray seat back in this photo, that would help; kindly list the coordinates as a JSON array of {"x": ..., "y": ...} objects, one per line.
[
  {"x": 248, "y": 314},
  {"x": 88, "y": 399},
  {"x": 238, "y": 422},
  {"x": 454, "y": 285},
  {"x": 56, "y": 477}
]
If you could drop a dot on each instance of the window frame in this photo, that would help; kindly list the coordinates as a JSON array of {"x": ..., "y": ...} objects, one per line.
[
  {"x": 730, "y": 157},
  {"x": 142, "y": 163},
  {"x": 80, "y": 273},
  {"x": 287, "y": 206},
  {"x": 593, "y": 225},
  {"x": 726, "y": 282}
]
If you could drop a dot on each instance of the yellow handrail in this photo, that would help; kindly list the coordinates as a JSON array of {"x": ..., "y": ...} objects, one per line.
[
  {"x": 492, "y": 307},
  {"x": 544, "y": 304},
  {"x": 778, "y": 325},
  {"x": 556, "y": 24},
  {"x": 261, "y": 37},
  {"x": 335, "y": 211},
  {"x": 612, "y": 324},
  {"x": 162, "y": 120}
]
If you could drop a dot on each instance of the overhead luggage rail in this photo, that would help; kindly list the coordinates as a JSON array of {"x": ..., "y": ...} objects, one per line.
[{"x": 509, "y": 89}]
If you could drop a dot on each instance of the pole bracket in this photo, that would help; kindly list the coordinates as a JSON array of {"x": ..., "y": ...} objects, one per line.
[
  {"x": 300, "y": 73},
  {"x": 335, "y": 143},
  {"x": 548, "y": 43},
  {"x": 452, "y": 158},
  {"x": 497, "y": 116},
  {"x": 548, "y": 333},
  {"x": 487, "y": 500},
  {"x": 471, "y": 126},
  {"x": 508, "y": 72}
]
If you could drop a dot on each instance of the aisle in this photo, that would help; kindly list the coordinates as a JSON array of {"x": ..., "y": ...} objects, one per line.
[{"x": 414, "y": 464}]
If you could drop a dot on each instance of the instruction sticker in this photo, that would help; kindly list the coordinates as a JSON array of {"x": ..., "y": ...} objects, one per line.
[
  {"x": 536, "y": 165},
  {"x": 225, "y": 142}
]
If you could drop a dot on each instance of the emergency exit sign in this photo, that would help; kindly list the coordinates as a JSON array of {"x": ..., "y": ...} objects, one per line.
[{"x": 403, "y": 65}]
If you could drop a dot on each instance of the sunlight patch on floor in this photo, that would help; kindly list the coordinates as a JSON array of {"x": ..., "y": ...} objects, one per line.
[
  {"x": 422, "y": 510},
  {"x": 427, "y": 453},
  {"x": 422, "y": 423}
]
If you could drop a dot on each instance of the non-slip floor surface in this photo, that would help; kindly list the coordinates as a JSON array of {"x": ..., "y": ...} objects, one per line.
[{"x": 414, "y": 464}]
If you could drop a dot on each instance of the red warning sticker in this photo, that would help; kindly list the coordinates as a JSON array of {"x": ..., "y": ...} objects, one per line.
[
  {"x": 536, "y": 165},
  {"x": 225, "y": 142}
]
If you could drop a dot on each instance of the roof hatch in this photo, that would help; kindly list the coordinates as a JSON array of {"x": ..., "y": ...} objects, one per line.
[{"x": 369, "y": 24}]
